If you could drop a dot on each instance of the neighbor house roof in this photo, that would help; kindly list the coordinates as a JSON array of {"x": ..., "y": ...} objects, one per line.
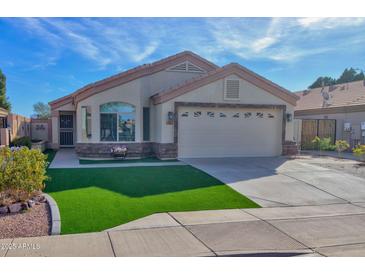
[
  {"x": 131, "y": 75},
  {"x": 339, "y": 96},
  {"x": 3, "y": 112},
  {"x": 233, "y": 68}
]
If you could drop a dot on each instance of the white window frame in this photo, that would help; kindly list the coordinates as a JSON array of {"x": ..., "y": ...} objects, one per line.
[{"x": 118, "y": 114}]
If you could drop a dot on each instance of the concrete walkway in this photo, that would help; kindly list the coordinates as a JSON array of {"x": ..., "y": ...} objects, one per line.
[
  {"x": 67, "y": 158},
  {"x": 325, "y": 230},
  {"x": 279, "y": 181}
]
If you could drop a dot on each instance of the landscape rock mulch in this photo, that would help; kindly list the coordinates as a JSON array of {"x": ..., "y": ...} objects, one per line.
[{"x": 36, "y": 221}]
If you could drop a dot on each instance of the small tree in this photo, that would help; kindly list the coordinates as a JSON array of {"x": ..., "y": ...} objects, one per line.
[
  {"x": 359, "y": 151},
  {"x": 4, "y": 101},
  {"x": 341, "y": 146},
  {"x": 42, "y": 110}
]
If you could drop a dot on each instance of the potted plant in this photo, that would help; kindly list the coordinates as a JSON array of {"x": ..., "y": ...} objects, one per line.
[{"x": 119, "y": 151}]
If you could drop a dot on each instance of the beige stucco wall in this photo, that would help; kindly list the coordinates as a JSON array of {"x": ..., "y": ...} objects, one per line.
[
  {"x": 136, "y": 92},
  {"x": 213, "y": 93},
  {"x": 40, "y": 130},
  {"x": 355, "y": 118},
  {"x": 163, "y": 80},
  {"x": 129, "y": 93}
]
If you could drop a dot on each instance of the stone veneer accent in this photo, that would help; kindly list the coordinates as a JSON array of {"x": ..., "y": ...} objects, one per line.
[
  {"x": 135, "y": 150},
  {"x": 165, "y": 151},
  {"x": 290, "y": 148}
]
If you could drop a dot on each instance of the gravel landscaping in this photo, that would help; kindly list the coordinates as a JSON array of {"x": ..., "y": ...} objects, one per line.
[
  {"x": 34, "y": 222},
  {"x": 348, "y": 166}
]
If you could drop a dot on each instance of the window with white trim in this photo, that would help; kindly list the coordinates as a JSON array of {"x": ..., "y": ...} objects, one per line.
[
  {"x": 117, "y": 122},
  {"x": 232, "y": 89}
]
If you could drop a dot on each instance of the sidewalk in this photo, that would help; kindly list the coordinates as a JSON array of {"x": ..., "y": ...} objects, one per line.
[{"x": 327, "y": 230}]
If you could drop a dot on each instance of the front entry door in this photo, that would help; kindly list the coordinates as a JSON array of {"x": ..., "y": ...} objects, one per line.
[{"x": 66, "y": 130}]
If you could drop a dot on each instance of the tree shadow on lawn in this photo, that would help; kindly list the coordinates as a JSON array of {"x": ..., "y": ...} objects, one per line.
[{"x": 131, "y": 181}]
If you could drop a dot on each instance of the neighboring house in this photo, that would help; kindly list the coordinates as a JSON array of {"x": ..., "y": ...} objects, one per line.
[
  {"x": 180, "y": 106},
  {"x": 19, "y": 126},
  {"x": 336, "y": 111},
  {"x": 4, "y": 135},
  {"x": 12, "y": 126}
]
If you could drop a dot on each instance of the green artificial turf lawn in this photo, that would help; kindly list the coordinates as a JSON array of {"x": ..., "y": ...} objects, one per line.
[
  {"x": 100, "y": 198},
  {"x": 127, "y": 161},
  {"x": 50, "y": 153}
]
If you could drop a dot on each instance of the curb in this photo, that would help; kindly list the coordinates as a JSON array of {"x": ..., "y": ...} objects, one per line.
[{"x": 55, "y": 215}]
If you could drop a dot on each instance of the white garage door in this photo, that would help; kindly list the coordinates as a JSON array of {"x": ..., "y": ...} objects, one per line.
[{"x": 225, "y": 132}]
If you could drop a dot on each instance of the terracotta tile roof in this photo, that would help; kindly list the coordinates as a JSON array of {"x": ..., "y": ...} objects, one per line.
[
  {"x": 132, "y": 74},
  {"x": 341, "y": 95}
]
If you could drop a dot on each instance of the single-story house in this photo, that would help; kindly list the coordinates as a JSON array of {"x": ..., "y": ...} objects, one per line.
[
  {"x": 180, "y": 106},
  {"x": 4, "y": 136},
  {"x": 12, "y": 126},
  {"x": 337, "y": 112}
]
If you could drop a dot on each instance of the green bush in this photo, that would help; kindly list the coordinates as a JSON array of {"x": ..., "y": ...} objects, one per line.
[
  {"x": 22, "y": 142},
  {"x": 341, "y": 145},
  {"x": 326, "y": 144},
  {"x": 320, "y": 144},
  {"x": 22, "y": 173},
  {"x": 359, "y": 151}
]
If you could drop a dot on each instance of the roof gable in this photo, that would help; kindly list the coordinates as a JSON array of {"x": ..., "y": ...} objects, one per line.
[
  {"x": 132, "y": 74},
  {"x": 220, "y": 73}
]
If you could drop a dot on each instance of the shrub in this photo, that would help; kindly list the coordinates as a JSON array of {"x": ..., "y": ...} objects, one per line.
[
  {"x": 326, "y": 144},
  {"x": 22, "y": 173},
  {"x": 316, "y": 142},
  {"x": 323, "y": 144},
  {"x": 359, "y": 151},
  {"x": 22, "y": 142},
  {"x": 341, "y": 145}
]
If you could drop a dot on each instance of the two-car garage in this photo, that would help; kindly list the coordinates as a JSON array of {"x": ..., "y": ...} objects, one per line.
[{"x": 229, "y": 132}]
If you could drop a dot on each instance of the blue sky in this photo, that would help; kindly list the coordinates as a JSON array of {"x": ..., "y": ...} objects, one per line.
[{"x": 46, "y": 58}]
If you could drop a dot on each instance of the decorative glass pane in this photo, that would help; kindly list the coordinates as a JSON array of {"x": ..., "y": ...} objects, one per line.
[
  {"x": 259, "y": 115},
  {"x": 114, "y": 107},
  {"x": 247, "y": 114},
  {"x": 127, "y": 127},
  {"x": 222, "y": 115},
  {"x": 185, "y": 114},
  {"x": 237, "y": 115},
  {"x": 108, "y": 127},
  {"x": 210, "y": 114},
  {"x": 197, "y": 113},
  {"x": 270, "y": 115}
]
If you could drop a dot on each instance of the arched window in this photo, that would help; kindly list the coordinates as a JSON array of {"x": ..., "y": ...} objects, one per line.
[{"x": 117, "y": 122}]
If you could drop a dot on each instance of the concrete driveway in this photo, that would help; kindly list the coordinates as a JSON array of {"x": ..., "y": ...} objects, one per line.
[{"x": 279, "y": 181}]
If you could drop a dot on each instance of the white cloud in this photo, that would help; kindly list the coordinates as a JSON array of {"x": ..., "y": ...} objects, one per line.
[
  {"x": 283, "y": 39},
  {"x": 329, "y": 22},
  {"x": 263, "y": 43},
  {"x": 116, "y": 42},
  {"x": 103, "y": 41}
]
